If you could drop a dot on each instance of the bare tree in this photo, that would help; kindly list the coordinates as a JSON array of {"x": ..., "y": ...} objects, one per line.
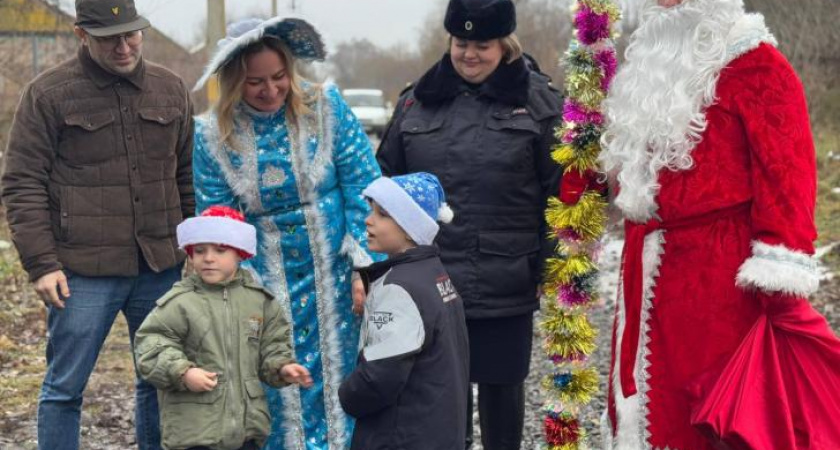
[{"x": 544, "y": 27}]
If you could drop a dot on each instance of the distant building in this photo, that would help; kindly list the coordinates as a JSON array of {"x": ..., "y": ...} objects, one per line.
[{"x": 35, "y": 35}]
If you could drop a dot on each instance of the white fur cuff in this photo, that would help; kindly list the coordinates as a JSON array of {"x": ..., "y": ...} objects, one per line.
[
  {"x": 351, "y": 248},
  {"x": 776, "y": 268}
]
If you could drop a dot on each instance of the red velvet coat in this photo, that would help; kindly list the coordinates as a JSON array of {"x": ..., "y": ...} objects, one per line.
[{"x": 730, "y": 256}]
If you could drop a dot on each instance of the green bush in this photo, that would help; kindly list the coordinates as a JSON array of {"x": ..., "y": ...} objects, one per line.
[{"x": 827, "y": 140}]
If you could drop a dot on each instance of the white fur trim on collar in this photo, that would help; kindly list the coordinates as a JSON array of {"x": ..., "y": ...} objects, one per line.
[
  {"x": 778, "y": 269},
  {"x": 218, "y": 230},
  {"x": 353, "y": 249}
]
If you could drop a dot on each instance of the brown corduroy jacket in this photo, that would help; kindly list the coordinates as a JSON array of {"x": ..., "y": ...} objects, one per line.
[{"x": 99, "y": 169}]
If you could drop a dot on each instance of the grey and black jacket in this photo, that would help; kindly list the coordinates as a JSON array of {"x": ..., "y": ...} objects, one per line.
[
  {"x": 409, "y": 389},
  {"x": 490, "y": 145}
]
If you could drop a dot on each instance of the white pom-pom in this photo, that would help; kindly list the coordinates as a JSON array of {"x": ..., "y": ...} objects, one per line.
[{"x": 445, "y": 213}]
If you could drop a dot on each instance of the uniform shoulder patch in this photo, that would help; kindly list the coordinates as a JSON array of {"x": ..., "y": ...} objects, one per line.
[{"x": 446, "y": 289}]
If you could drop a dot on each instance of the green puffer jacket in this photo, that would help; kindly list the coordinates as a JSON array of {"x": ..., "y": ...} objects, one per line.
[{"x": 234, "y": 329}]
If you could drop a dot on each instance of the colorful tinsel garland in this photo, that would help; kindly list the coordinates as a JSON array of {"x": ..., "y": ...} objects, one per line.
[{"x": 577, "y": 220}]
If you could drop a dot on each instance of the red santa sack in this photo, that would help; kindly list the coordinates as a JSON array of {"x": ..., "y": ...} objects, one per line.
[{"x": 781, "y": 389}]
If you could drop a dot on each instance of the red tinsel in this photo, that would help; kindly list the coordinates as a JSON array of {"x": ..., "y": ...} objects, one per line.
[{"x": 560, "y": 431}]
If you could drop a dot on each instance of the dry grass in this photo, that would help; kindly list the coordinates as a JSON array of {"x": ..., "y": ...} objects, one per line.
[{"x": 108, "y": 398}]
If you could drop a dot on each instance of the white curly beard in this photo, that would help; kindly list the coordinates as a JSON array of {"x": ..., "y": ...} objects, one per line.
[{"x": 657, "y": 103}]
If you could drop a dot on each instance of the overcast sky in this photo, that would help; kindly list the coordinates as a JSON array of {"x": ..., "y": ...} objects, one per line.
[{"x": 384, "y": 22}]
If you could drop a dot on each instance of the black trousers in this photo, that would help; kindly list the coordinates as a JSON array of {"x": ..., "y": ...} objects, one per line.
[{"x": 501, "y": 415}]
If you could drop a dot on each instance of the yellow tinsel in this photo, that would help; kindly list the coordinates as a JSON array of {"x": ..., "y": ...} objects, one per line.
[
  {"x": 564, "y": 154},
  {"x": 602, "y": 6},
  {"x": 581, "y": 388},
  {"x": 586, "y": 218},
  {"x": 572, "y": 446},
  {"x": 586, "y": 88},
  {"x": 563, "y": 271},
  {"x": 587, "y": 159},
  {"x": 567, "y": 333},
  {"x": 573, "y": 159}
]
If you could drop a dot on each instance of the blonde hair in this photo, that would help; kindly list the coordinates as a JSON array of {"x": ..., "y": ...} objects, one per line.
[
  {"x": 511, "y": 47},
  {"x": 232, "y": 79}
]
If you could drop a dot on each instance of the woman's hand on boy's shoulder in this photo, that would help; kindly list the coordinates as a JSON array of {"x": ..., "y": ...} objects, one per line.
[
  {"x": 296, "y": 374},
  {"x": 199, "y": 380}
]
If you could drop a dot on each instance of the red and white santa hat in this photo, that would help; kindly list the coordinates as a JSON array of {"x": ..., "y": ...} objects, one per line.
[{"x": 219, "y": 225}]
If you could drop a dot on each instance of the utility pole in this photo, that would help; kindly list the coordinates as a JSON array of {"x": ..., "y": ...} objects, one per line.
[
  {"x": 294, "y": 7},
  {"x": 273, "y": 8},
  {"x": 215, "y": 31}
]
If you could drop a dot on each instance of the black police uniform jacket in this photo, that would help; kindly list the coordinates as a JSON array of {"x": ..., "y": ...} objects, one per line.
[{"x": 490, "y": 145}]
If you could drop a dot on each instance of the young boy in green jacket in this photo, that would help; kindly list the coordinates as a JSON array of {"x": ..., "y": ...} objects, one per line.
[{"x": 212, "y": 339}]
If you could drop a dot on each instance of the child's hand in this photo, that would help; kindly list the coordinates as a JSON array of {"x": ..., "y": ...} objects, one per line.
[
  {"x": 199, "y": 380},
  {"x": 295, "y": 373}
]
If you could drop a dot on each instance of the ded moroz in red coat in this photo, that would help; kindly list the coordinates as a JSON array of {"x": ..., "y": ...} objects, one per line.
[{"x": 712, "y": 309}]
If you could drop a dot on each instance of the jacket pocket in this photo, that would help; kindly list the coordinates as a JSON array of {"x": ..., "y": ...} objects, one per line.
[
  {"x": 159, "y": 131},
  {"x": 87, "y": 138},
  {"x": 509, "y": 143},
  {"x": 420, "y": 125},
  {"x": 424, "y": 142},
  {"x": 258, "y": 423},
  {"x": 192, "y": 418},
  {"x": 63, "y": 214},
  {"x": 507, "y": 263}
]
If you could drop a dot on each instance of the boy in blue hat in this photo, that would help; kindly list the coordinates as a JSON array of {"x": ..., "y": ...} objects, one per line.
[{"x": 409, "y": 388}]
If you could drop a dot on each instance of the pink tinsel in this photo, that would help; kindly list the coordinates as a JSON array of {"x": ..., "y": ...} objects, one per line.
[
  {"x": 572, "y": 358},
  {"x": 573, "y": 112},
  {"x": 572, "y": 297},
  {"x": 568, "y": 136},
  {"x": 591, "y": 27},
  {"x": 606, "y": 59},
  {"x": 568, "y": 235}
]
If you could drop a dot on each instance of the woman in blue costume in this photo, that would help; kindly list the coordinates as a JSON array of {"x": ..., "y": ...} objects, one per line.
[{"x": 292, "y": 157}]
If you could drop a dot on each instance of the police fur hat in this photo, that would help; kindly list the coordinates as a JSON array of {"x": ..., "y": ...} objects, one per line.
[{"x": 480, "y": 20}]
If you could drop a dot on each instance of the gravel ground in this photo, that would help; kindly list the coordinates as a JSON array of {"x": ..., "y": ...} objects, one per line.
[
  {"x": 108, "y": 419},
  {"x": 826, "y": 301},
  {"x": 601, "y": 317}
]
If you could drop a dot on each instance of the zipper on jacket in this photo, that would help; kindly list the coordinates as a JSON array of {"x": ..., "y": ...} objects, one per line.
[{"x": 226, "y": 352}]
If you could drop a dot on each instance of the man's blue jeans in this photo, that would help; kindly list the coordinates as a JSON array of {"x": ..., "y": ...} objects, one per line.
[{"x": 75, "y": 337}]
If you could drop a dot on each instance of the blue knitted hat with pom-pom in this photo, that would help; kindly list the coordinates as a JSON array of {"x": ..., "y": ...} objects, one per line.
[{"x": 415, "y": 201}]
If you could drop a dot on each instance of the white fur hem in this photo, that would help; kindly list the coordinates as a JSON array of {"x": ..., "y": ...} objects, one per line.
[
  {"x": 776, "y": 268},
  {"x": 351, "y": 248},
  {"x": 632, "y": 412}
]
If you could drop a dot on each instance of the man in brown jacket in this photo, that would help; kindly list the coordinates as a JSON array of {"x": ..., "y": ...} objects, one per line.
[{"x": 98, "y": 175}]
